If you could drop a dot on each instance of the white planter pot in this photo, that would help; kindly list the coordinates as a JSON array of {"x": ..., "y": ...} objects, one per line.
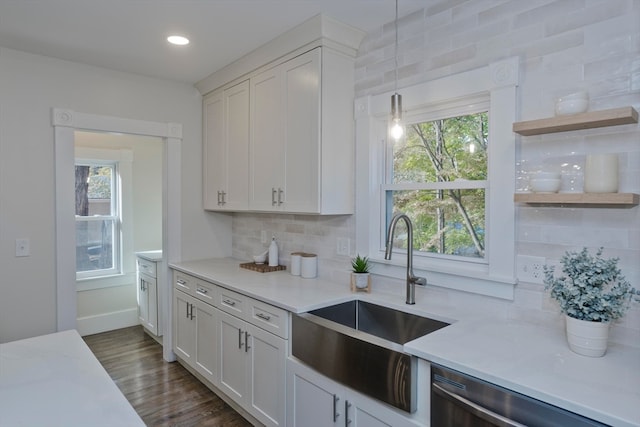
[
  {"x": 587, "y": 338},
  {"x": 361, "y": 282}
]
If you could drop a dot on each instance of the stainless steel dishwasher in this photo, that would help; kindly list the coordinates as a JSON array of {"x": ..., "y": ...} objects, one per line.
[{"x": 459, "y": 400}]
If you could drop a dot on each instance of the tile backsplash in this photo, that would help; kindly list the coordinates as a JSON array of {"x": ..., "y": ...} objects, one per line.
[{"x": 564, "y": 46}]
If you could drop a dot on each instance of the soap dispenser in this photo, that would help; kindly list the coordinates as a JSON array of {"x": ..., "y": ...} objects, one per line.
[{"x": 273, "y": 252}]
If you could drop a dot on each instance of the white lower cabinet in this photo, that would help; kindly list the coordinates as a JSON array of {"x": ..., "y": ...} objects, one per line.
[
  {"x": 316, "y": 401},
  {"x": 252, "y": 369},
  {"x": 225, "y": 344},
  {"x": 195, "y": 334},
  {"x": 147, "y": 296}
]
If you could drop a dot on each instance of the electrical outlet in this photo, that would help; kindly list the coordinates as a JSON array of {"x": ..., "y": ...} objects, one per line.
[
  {"x": 530, "y": 268},
  {"x": 23, "y": 247},
  {"x": 343, "y": 246}
]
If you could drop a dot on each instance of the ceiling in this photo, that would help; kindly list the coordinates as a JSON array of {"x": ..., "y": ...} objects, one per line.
[{"x": 130, "y": 35}]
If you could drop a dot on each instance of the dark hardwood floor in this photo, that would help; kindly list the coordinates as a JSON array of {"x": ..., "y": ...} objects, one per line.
[{"x": 162, "y": 393}]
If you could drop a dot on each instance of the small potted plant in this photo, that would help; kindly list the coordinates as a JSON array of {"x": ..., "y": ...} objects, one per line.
[
  {"x": 591, "y": 294},
  {"x": 360, "y": 277}
]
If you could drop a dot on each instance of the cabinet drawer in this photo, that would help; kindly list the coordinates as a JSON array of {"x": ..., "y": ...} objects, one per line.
[
  {"x": 268, "y": 317},
  {"x": 231, "y": 302},
  {"x": 184, "y": 282},
  {"x": 206, "y": 292},
  {"x": 147, "y": 267}
]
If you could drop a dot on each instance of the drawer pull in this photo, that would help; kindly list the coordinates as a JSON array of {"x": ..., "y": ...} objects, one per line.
[
  {"x": 181, "y": 282},
  {"x": 203, "y": 291},
  {"x": 263, "y": 316},
  {"x": 229, "y": 302},
  {"x": 246, "y": 341}
]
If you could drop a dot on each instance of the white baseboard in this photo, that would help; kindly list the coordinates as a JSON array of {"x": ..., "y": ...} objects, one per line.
[{"x": 107, "y": 321}]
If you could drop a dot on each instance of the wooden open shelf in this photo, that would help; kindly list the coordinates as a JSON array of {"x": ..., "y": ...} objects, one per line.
[
  {"x": 590, "y": 120},
  {"x": 585, "y": 199}
]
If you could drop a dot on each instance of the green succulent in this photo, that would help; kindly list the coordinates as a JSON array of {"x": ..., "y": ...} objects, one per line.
[
  {"x": 593, "y": 289},
  {"x": 360, "y": 264}
]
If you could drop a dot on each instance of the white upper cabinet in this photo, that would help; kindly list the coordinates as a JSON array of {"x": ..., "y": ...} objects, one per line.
[
  {"x": 225, "y": 148},
  {"x": 285, "y": 138},
  {"x": 292, "y": 120}
]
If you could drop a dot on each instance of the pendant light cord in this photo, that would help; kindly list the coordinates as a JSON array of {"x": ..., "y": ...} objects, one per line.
[{"x": 396, "y": 48}]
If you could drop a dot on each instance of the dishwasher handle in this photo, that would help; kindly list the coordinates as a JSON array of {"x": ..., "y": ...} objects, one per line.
[{"x": 474, "y": 408}]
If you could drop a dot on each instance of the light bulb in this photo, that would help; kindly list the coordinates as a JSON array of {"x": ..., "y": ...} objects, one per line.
[
  {"x": 178, "y": 40},
  {"x": 397, "y": 131}
]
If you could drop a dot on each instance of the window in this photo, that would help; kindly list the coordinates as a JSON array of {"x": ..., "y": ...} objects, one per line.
[
  {"x": 453, "y": 174},
  {"x": 97, "y": 211},
  {"x": 437, "y": 175}
]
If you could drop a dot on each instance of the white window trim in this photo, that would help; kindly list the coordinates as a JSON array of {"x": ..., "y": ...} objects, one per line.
[
  {"x": 496, "y": 82},
  {"x": 124, "y": 160}
]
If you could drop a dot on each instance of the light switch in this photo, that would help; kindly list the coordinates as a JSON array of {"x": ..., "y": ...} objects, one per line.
[{"x": 22, "y": 247}]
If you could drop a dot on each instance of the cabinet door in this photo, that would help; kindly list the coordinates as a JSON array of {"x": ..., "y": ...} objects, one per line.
[
  {"x": 206, "y": 359},
  {"x": 184, "y": 334},
  {"x": 214, "y": 164},
  {"x": 301, "y": 85},
  {"x": 233, "y": 354},
  {"x": 236, "y": 120},
  {"x": 313, "y": 401},
  {"x": 143, "y": 301},
  {"x": 267, "y": 354},
  {"x": 267, "y": 144},
  {"x": 226, "y": 148},
  {"x": 151, "y": 289}
]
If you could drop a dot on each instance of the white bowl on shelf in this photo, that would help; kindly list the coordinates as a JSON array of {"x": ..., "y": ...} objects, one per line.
[
  {"x": 545, "y": 175},
  {"x": 545, "y": 185},
  {"x": 573, "y": 103}
]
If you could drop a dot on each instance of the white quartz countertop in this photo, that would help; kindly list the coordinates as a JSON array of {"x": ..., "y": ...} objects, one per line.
[
  {"x": 55, "y": 380},
  {"x": 150, "y": 255},
  {"x": 517, "y": 355}
]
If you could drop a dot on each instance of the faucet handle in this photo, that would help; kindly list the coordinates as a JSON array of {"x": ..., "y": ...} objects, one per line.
[{"x": 422, "y": 281}]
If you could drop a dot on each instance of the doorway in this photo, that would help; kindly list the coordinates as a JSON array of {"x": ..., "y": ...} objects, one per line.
[
  {"x": 118, "y": 207},
  {"x": 66, "y": 123}
]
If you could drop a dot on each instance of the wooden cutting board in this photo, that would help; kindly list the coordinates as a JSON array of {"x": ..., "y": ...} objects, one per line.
[{"x": 262, "y": 268}]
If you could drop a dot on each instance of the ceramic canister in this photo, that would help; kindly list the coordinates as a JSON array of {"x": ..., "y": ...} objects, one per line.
[
  {"x": 308, "y": 265},
  {"x": 296, "y": 263},
  {"x": 601, "y": 173}
]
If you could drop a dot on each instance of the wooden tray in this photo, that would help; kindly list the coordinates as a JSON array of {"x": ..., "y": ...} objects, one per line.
[{"x": 261, "y": 268}]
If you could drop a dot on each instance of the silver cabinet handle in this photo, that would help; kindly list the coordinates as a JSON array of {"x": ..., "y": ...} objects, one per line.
[
  {"x": 229, "y": 302},
  {"x": 219, "y": 200},
  {"x": 203, "y": 290},
  {"x": 181, "y": 282},
  {"x": 246, "y": 341},
  {"x": 263, "y": 316},
  {"x": 188, "y": 314},
  {"x": 192, "y": 315},
  {"x": 224, "y": 194},
  {"x": 280, "y": 192},
  {"x": 239, "y": 338},
  {"x": 476, "y": 409},
  {"x": 273, "y": 196},
  {"x": 336, "y": 414},
  {"x": 347, "y": 421}
]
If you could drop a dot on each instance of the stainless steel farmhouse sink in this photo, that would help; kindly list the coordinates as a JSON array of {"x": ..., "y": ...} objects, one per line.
[{"x": 359, "y": 344}]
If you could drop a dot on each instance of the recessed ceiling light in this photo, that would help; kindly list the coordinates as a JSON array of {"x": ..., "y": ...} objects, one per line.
[{"x": 178, "y": 40}]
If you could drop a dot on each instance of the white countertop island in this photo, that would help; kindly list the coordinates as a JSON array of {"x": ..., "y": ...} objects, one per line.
[
  {"x": 521, "y": 356},
  {"x": 55, "y": 380}
]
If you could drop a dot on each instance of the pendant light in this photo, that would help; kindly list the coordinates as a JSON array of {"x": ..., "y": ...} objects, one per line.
[{"x": 396, "y": 99}]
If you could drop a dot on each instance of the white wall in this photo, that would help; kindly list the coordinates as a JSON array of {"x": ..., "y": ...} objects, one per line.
[
  {"x": 30, "y": 85},
  {"x": 563, "y": 46}
]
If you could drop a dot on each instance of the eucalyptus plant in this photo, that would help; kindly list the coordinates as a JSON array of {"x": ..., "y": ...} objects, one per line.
[
  {"x": 360, "y": 264},
  {"x": 593, "y": 288}
]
